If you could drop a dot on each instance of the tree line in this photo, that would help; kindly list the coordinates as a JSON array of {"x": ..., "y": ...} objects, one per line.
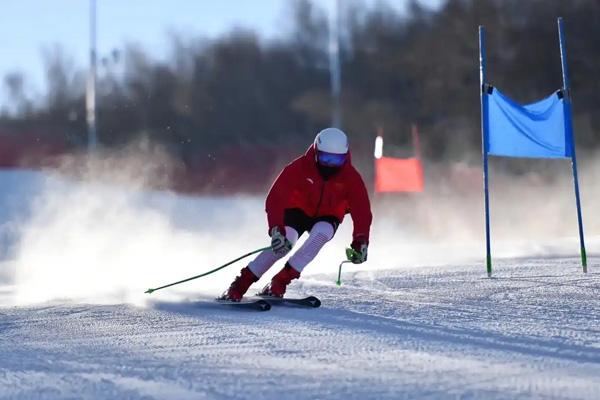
[{"x": 243, "y": 105}]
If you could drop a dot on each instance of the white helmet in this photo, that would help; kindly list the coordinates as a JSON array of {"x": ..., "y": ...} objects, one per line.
[{"x": 332, "y": 140}]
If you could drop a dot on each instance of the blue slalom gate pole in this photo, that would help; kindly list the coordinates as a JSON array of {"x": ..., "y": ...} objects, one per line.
[
  {"x": 484, "y": 145},
  {"x": 569, "y": 129}
]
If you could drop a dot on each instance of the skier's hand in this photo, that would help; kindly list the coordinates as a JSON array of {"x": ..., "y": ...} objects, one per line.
[
  {"x": 279, "y": 243},
  {"x": 357, "y": 253}
]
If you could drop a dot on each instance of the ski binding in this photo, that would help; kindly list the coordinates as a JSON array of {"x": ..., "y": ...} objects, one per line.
[{"x": 259, "y": 305}]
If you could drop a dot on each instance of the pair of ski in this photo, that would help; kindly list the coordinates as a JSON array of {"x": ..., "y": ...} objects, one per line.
[{"x": 265, "y": 302}]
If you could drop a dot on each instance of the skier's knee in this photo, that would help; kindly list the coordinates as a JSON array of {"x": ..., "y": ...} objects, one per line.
[
  {"x": 291, "y": 234},
  {"x": 324, "y": 230},
  {"x": 321, "y": 233}
]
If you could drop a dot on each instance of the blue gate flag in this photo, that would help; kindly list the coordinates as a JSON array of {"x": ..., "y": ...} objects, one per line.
[{"x": 539, "y": 130}]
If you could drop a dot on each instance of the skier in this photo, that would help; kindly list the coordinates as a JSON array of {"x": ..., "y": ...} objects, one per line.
[{"x": 312, "y": 194}]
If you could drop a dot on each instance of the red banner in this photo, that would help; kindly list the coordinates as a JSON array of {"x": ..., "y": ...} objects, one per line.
[{"x": 398, "y": 175}]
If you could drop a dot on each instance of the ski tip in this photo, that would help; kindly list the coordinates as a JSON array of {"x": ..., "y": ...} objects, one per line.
[
  {"x": 149, "y": 291},
  {"x": 310, "y": 301},
  {"x": 314, "y": 302}
]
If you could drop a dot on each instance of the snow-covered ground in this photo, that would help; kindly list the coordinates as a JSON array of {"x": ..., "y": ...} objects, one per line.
[
  {"x": 435, "y": 333},
  {"x": 74, "y": 322}
]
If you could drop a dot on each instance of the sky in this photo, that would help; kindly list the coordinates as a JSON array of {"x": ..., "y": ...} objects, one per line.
[{"x": 29, "y": 26}]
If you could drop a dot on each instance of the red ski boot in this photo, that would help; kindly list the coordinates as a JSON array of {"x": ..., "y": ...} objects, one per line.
[
  {"x": 280, "y": 281},
  {"x": 240, "y": 285}
]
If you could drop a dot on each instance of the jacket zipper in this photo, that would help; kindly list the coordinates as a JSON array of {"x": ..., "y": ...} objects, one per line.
[{"x": 320, "y": 199}]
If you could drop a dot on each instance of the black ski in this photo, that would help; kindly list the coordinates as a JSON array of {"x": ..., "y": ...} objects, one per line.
[
  {"x": 310, "y": 301},
  {"x": 259, "y": 305}
]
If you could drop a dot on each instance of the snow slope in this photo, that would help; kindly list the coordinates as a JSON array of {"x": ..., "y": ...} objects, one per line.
[
  {"x": 531, "y": 332},
  {"x": 74, "y": 322}
]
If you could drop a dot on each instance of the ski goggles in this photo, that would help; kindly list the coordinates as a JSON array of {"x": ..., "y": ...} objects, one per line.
[{"x": 331, "y": 159}]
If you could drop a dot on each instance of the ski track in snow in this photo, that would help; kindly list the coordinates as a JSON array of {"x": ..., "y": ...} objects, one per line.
[{"x": 531, "y": 332}]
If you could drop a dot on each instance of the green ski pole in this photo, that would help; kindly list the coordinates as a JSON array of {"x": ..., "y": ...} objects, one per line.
[
  {"x": 339, "y": 279},
  {"x": 350, "y": 255},
  {"x": 209, "y": 272}
]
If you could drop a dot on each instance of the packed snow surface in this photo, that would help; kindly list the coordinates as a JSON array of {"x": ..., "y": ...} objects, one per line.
[
  {"x": 533, "y": 331},
  {"x": 390, "y": 331}
]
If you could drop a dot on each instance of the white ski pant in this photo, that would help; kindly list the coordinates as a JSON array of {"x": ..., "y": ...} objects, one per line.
[{"x": 321, "y": 233}]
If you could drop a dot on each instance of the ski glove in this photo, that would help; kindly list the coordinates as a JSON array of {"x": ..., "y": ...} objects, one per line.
[
  {"x": 279, "y": 243},
  {"x": 357, "y": 252}
]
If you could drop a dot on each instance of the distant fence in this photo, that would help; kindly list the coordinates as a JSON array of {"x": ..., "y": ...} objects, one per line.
[
  {"x": 230, "y": 170},
  {"x": 29, "y": 149}
]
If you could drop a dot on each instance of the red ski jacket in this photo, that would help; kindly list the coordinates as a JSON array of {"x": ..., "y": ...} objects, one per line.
[{"x": 300, "y": 185}]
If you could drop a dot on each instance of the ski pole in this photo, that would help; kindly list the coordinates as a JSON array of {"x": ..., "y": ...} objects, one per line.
[
  {"x": 339, "y": 279},
  {"x": 209, "y": 272},
  {"x": 350, "y": 255}
]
